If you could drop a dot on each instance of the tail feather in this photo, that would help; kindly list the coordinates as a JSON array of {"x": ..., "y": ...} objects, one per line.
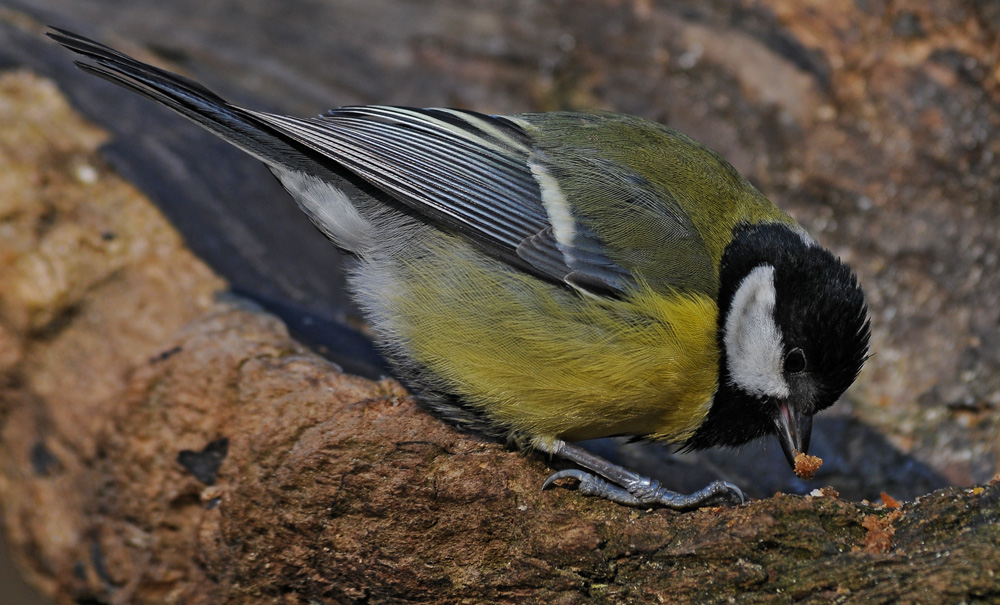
[{"x": 191, "y": 100}]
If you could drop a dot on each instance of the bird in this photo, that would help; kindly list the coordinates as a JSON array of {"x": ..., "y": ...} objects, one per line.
[{"x": 551, "y": 277}]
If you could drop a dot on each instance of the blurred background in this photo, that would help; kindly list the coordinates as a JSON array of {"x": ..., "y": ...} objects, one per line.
[{"x": 874, "y": 123}]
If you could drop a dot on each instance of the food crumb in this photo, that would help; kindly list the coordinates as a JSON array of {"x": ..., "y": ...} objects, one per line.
[
  {"x": 890, "y": 502},
  {"x": 806, "y": 465},
  {"x": 826, "y": 492}
]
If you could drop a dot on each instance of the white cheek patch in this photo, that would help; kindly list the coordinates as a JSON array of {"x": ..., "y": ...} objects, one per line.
[
  {"x": 329, "y": 208},
  {"x": 752, "y": 339}
]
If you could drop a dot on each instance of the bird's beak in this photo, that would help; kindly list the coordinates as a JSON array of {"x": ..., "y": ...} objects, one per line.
[{"x": 794, "y": 431}]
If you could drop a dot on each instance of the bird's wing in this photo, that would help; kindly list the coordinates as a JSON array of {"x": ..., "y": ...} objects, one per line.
[
  {"x": 483, "y": 176},
  {"x": 638, "y": 225},
  {"x": 476, "y": 174}
]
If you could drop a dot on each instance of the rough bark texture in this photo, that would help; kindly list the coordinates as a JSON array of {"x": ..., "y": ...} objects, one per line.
[{"x": 157, "y": 444}]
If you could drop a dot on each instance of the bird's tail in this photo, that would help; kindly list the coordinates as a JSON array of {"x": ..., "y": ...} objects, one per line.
[{"x": 190, "y": 99}]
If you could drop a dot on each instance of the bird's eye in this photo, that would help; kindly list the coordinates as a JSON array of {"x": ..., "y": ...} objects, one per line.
[{"x": 795, "y": 361}]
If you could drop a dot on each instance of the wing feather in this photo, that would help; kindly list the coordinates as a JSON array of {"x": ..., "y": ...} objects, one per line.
[
  {"x": 472, "y": 179},
  {"x": 484, "y": 177}
]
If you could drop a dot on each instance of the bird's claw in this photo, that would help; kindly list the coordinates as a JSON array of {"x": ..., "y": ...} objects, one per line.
[{"x": 646, "y": 491}]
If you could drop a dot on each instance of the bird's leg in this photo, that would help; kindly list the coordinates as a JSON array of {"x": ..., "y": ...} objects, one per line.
[{"x": 618, "y": 484}]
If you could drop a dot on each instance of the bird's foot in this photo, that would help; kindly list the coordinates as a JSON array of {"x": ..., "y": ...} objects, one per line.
[
  {"x": 649, "y": 492},
  {"x": 618, "y": 484}
]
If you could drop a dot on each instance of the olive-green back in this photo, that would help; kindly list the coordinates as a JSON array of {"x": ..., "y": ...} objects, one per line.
[{"x": 664, "y": 205}]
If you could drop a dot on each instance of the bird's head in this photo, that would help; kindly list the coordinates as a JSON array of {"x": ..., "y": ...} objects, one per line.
[{"x": 793, "y": 335}]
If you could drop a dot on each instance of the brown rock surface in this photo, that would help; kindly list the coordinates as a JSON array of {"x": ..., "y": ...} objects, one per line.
[{"x": 93, "y": 282}]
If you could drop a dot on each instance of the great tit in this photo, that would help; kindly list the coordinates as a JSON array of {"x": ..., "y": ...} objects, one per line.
[{"x": 553, "y": 277}]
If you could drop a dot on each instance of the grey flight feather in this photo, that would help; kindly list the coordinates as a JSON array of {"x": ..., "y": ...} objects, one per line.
[{"x": 464, "y": 170}]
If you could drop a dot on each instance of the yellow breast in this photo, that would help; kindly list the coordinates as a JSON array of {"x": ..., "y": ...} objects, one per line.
[{"x": 545, "y": 362}]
